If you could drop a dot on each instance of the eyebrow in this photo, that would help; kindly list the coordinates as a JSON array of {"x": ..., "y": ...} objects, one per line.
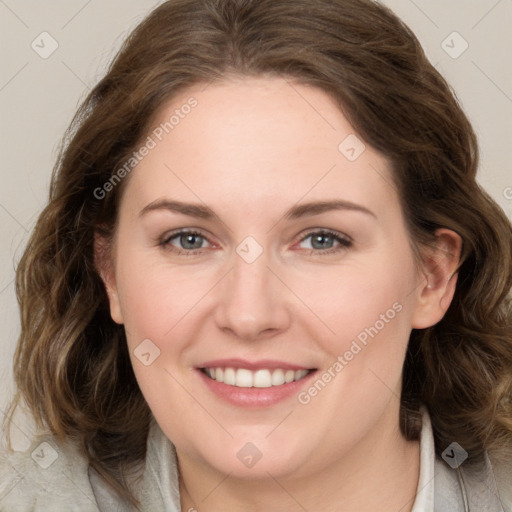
[{"x": 302, "y": 210}]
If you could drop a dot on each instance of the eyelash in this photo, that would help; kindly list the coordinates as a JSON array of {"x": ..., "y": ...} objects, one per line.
[{"x": 344, "y": 242}]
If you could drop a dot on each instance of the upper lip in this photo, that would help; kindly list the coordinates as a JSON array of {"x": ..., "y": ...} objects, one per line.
[{"x": 270, "y": 364}]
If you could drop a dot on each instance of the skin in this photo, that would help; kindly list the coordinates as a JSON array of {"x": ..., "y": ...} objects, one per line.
[{"x": 250, "y": 150}]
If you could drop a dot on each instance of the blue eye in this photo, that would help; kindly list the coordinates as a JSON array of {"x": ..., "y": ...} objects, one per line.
[
  {"x": 190, "y": 243},
  {"x": 327, "y": 242}
]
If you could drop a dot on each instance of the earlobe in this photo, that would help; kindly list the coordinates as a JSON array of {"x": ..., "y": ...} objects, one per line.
[
  {"x": 105, "y": 268},
  {"x": 440, "y": 265}
]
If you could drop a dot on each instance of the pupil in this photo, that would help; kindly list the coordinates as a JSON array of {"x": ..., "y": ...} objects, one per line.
[
  {"x": 186, "y": 239},
  {"x": 321, "y": 239}
]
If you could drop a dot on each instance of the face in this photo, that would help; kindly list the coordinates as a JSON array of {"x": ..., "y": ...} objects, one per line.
[{"x": 261, "y": 244}]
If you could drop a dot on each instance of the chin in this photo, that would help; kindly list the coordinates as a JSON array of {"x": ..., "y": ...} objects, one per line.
[{"x": 258, "y": 459}]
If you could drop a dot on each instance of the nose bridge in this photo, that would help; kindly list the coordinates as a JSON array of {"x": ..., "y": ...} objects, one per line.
[
  {"x": 251, "y": 277},
  {"x": 251, "y": 301}
]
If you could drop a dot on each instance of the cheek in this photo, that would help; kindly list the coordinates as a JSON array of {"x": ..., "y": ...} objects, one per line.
[
  {"x": 368, "y": 306},
  {"x": 154, "y": 296},
  {"x": 363, "y": 301},
  {"x": 157, "y": 304},
  {"x": 352, "y": 300}
]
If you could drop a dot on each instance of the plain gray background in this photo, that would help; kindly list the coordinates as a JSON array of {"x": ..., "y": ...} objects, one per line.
[{"x": 39, "y": 94}]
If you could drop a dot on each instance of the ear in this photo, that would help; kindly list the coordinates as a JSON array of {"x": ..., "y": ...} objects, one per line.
[
  {"x": 439, "y": 269},
  {"x": 103, "y": 261}
]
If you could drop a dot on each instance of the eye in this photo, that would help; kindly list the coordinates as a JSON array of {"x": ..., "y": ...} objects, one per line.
[
  {"x": 190, "y": 242},
  {"x": 326, "y": 242},
  {"x": 184, "y": 242}
]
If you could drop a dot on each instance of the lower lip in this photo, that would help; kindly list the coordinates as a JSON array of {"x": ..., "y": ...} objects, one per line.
[{"x": 255, "y": 397}]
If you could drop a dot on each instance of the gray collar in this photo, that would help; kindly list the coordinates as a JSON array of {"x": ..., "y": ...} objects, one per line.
[
  {"x": 441, "y": 488},
  {"x": 466, "y": 489}
]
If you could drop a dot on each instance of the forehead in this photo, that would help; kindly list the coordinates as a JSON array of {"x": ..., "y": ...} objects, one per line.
[{"x": 259, "y": 142}]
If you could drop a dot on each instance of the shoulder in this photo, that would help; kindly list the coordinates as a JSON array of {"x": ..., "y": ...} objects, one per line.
[
  {"x": 502, "y": 471},
  {"x": 459, "y": 487},
  {"x": 46, "y": 476},
  {"x": 486, "y": 487}
]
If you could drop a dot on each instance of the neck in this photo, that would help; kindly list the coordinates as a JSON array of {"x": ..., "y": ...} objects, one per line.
[{"x": 379, "y": 473}]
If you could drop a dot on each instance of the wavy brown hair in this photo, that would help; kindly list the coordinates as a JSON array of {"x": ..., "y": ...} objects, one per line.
[{"x": 72, "y": 367}]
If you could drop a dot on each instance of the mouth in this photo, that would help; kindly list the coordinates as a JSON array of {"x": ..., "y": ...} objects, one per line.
[
  {"x": 254, "y": 384},
  {"x": 261, "y": 378}
]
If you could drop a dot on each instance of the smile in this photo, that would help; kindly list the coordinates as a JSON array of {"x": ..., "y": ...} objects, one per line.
[{"x": 264, "y": 378}]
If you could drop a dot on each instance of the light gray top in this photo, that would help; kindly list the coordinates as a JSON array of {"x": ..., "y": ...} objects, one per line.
[{"x": 53, "y": 477}]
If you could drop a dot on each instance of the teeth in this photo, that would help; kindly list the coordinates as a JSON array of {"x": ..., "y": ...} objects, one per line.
[
  {"x": 244, "y": 378},
  {"x": 277, "y": 377},
  {"x": 229, "y": 376},
  {"x": 289, "y": 376}
]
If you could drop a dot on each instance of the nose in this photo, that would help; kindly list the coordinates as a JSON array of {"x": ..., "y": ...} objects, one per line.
[{"x": 252, "y": 301}]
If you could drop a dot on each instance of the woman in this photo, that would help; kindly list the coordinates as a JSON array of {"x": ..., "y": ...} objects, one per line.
[{"x": 266, "y": 278}]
